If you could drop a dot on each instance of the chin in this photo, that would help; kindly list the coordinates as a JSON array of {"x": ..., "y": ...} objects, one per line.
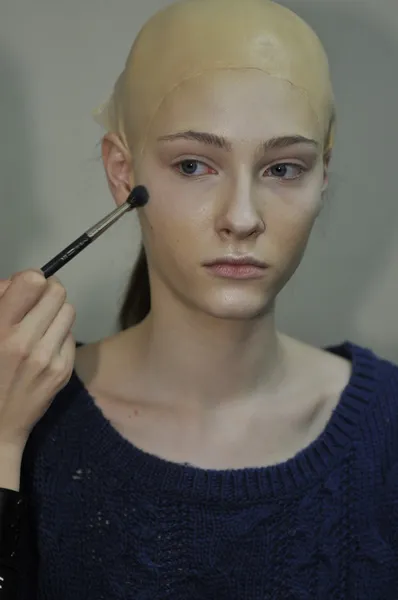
[{"x": 237, "y": 306}]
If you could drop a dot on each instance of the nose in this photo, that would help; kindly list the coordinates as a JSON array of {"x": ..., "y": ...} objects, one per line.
[{"x": 238, "y": 217}]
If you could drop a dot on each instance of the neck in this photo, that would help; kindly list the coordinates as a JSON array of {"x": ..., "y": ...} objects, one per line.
[{"x": 205, "y": 361}]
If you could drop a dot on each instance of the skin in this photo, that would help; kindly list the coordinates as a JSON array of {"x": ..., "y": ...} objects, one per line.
[{"x": 233, "y": 392}]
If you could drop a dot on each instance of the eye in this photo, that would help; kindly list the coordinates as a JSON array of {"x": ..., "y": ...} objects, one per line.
[
  {"x": 286, "y": 171},
  {"x": 190, "y": 167}
]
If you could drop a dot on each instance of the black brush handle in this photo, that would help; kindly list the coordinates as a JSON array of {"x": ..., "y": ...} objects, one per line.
[{"x": 66, "y": 255}]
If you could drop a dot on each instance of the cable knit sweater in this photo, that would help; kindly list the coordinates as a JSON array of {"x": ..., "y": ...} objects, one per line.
[{"x": 111, "y": 522}]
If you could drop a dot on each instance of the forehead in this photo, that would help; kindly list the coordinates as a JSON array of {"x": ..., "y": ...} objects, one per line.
[{"x": 238, "y": 104}]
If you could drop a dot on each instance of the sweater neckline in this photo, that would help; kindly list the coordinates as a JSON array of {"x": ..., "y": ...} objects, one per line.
[{"x": 117, "y": 459}]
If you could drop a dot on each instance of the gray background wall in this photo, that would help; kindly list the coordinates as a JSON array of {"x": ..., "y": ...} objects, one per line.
[{"x": 58, "y": 60}]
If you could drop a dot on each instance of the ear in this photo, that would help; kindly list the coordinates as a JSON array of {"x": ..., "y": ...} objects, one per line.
[
  {"x": 118, "y": 167},
  {"x": 326, "y": 163}
]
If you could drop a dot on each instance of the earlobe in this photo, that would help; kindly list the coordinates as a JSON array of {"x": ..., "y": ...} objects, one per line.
[{"x": 118, "y": 169}]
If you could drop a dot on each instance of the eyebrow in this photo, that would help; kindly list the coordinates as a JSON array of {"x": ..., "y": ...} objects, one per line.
[{"x": 274, "y": 143}]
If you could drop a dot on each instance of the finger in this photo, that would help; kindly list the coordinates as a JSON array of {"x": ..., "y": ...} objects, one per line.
[
  {"x": 54, "y": 338},
  {"x": 49, "y": 382},
  {"x": 35, "y": 324},
  {"x": 20, "y": 297},
  {"x": 41, "y": 363}
]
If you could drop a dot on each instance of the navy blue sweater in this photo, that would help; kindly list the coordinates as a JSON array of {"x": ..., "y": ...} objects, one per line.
[{"x": 111, "y": 522}]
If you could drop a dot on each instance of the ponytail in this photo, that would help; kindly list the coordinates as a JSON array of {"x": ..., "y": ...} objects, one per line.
[{"x": 137, "y": 302}]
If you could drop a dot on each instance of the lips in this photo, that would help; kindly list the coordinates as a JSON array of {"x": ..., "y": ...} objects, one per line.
[
  {"x": 236, "y": 267},
  {"x": 237, "y": 261}
]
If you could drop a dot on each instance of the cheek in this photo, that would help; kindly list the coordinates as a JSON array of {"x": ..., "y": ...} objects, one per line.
[
  {"x": 171, "y": 228},
  {"x": 292, "y": 217},
  {"x": 289, "y": 229},
  {"x": 175, "y": 215}
]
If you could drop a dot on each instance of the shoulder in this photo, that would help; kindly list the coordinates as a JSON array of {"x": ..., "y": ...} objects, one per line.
[
  {"x": 74, "y": 402},
  {"x": 384, "y": 373},
  {"x": 387, "y": 372},
  {"x": 373, "y": 391},
  {"x": 373, "y": 378},
  {"x": 379, "y": 372},
  {"x": 64, "y": 409},
  {"x": 363, "y": 387}
]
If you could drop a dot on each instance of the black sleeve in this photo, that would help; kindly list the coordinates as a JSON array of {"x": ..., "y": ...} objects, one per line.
[
  {"x": 12, "y": 509},
  {"x": 8, "y": 583},
  {"x": 27, "y": 561}
]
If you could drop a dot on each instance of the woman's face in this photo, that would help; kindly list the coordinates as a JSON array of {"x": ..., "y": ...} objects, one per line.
[{"x": 233, "y": 161}]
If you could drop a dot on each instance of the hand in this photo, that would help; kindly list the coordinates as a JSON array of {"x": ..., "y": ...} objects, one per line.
[{"x": 37, "y": 351}]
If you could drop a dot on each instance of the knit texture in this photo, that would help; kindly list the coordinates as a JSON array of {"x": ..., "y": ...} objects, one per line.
[{"x": 111, "y": 522}]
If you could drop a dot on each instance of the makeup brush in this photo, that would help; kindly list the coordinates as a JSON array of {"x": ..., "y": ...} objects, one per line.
[{"x": 138, "y": 197}]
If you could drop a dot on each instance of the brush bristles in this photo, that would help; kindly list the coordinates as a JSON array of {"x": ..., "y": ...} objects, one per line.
[{"x": 138, "y": 197}]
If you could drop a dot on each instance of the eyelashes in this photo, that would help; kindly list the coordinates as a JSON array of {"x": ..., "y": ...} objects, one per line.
[
  {"x": 280, "y": 169},
  {"x": 194, "y": 169},
  {"x": 189, "y": 166}
]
